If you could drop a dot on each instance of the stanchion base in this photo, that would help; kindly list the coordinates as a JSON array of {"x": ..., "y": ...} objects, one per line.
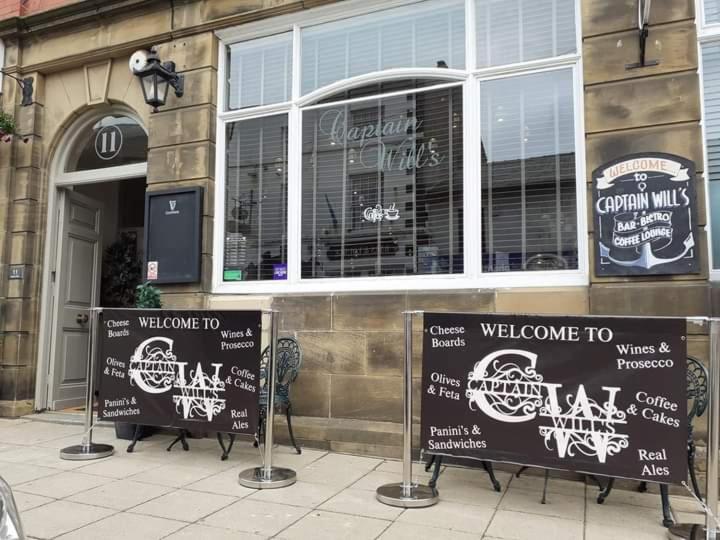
[
  {"x": 419, "y": 496},
  {"x": 83, "y": 452},
  {"x": 258, "y": 478},
  {"x": 687, "y": 531}
]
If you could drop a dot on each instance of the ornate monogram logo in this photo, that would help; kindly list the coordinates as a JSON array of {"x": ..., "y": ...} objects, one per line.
[
  {"x": 509, "y": 393},
  {"x": 154, "y": 369}
]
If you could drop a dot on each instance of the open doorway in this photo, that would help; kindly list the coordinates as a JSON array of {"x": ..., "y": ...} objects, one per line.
[
  {"x": 123, "y": 216},
  {"x": 99, "y": 264},
  {"x": 94, "y": 246}
]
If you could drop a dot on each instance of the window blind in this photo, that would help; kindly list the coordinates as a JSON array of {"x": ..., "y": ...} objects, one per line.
[
  {"x": 260, "y": 71},
  {"x": 712, "y": 11},
  {"x": 256, "y": 200},
  {"x": 420, "y": 35},
  {"x": 382, "y": 187},
  {"x": 711, "y": 93},
  {"x": 528, "y": 173},
  {"x": 511, "y": 31}
]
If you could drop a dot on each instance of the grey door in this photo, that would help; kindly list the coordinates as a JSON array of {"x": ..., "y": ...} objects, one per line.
[{"x": 77, "y": 281}]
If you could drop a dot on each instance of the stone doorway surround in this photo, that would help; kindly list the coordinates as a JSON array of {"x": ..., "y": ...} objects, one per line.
[{"x": 59, "y": 179}]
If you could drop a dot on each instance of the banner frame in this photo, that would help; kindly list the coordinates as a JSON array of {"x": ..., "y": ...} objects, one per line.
[
  {"x": 267, "y": 476},
  {"x": 87, "y": 449},
  {"x": 710, "y": 531},
  {"x": 406, "y": 494}
]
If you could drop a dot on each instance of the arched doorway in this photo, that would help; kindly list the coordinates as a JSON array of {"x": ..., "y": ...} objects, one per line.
[{"x": 93, "y": 243}]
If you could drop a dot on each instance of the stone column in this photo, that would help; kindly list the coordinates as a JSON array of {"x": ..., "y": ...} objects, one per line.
[
  {"x": 21, "y": 251},
  {"x": 181, "y": 148}
]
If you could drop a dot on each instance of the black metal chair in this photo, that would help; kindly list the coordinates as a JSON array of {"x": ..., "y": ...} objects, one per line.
[
  {"x": 436, "y": 459},
  {"x": 289, "y": 361},
  {"x": 697, "y": 394}
]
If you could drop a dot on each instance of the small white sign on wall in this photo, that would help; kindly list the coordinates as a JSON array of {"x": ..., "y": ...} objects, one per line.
[{"x": 152, "y": 270}]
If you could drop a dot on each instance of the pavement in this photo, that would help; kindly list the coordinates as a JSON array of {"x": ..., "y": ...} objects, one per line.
[{"x": 154, "y": 494}]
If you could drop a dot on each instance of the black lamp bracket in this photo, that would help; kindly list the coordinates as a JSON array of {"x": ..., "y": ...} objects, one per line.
[
  {"x": 25, "y": 84},
  {"x": 643, "y": 31},
  {"x": 176, "y": 81}
]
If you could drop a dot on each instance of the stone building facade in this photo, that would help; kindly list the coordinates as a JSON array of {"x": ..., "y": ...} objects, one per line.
[{"x": 348, "y": 396}]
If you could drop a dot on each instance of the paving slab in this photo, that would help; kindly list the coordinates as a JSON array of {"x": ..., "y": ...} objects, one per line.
[
  {"x": 60, "y": 517},
  {"x": 305, "y": 494},
  {"x": 204, "y": 532},
  {"x": 450, "y": 515},
  {"x": 511, "y": 525},
  {"x": 360, "y": 502},
  {"x": 318, "y": 525},
  {"x": 256, "y": 517},
  {"x": 59, "y": 486},
  {"x": 120, "y": 494},
  {"x": 183, "y": 505},
  {"x": 125, "y": 526}
]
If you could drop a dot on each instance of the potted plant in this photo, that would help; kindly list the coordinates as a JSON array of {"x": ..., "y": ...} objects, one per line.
[
  {"x": 122, "y": 271},
  {"x": 147, "y": 297}
]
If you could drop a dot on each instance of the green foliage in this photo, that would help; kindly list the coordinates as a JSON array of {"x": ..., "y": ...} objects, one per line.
[
  {"x": 7, "y": 126},
  {"x": 122, "y": 271},
  {"x": 147, "y": 297}
]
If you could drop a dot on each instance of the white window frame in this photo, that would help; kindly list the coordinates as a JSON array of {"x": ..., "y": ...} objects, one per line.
[
  {"x": 473, "y": 277},
  {"x": 706, "y": 34}
]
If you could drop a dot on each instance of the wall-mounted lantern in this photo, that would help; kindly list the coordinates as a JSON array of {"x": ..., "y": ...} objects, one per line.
[
  {"x": 156, "y": 77},
  {"x": 643, "y": 23}
]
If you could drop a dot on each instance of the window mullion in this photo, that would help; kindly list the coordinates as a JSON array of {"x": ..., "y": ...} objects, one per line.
[
  {"x": 472, "y": 209},
  {"x": 294, "y": 193}
]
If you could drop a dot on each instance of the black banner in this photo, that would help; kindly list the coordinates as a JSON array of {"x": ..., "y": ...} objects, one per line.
[
  {"x": 590, "y": 394},
  {"x": 184, "y": 369},
  {"x": 645, "y": 216}
]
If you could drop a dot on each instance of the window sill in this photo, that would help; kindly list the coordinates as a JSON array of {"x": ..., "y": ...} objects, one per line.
[{"x": 539, "y": 279}]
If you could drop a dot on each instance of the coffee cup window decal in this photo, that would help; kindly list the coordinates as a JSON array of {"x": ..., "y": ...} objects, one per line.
[
  {"x": 377, "y": 213},
  {"x": 645, "y": 216}
]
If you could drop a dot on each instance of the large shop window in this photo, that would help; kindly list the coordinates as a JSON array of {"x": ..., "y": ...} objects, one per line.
[
  {"x": 366, "y": 144},
  {"x": 528, "y": 172},
  {"x": 256, "y": 200},
  {"x": 383, "y": 186}
]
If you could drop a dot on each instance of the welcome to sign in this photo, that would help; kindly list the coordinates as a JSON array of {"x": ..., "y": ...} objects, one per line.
[
  {"x": 645, "y": 216},
  {"x": 185, "y": 369},
  {"x": 592, "y": 394}
]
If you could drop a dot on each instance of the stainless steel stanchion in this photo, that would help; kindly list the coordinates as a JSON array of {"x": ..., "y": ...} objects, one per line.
[
  {"x": 267, "y": 476},
  {"x": 406, "y": 494},
  {"x": 709, "y": 531},
  {"x": 88, "y": 449}
]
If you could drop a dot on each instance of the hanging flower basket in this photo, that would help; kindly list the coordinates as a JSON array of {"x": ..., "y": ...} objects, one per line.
[{"x": 7, "y": 127}]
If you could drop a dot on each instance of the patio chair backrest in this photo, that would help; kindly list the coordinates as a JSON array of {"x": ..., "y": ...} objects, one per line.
[
  {"x": 289, "y": 360},
  {"x": 697, "y": 388}
]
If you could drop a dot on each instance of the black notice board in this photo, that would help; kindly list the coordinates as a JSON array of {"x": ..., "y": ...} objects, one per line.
[
  {"x": 180, "y": 368},
  {"x": 173, "y": 233},
  {"x": 645, "y": 212},
  {"x": 597, "y": 395}
]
